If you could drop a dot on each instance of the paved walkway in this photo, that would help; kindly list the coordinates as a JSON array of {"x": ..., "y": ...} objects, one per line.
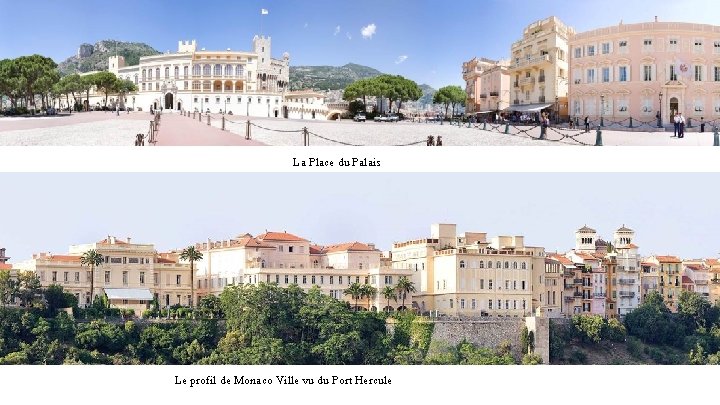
[{"x": 177, "y": 130}]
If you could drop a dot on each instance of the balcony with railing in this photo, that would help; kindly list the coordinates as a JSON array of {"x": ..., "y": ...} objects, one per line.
[
  {"x": 578, "y": 281},
  {"x": 578, "y": 295},
  {"x": 569, "y": 285},
  {"x": 568, "y": 273},
  {"x": 494, "y": 94},
  {"x": 624, "y": 281},
  {"x": 527, "y": 81},
  {"x": 541, "y": 79},
  {"x": 599, "y": 295},
  {"x": 533, "y": 60},
  {"x": 627, "y": 294},
  {"x": 569, "y": 299}
]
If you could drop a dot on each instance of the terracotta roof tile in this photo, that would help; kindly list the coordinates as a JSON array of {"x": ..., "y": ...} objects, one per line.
[
  {"x": 63, "y": 258},
  {"x": 164, "y": 260},
  {"x": 562, "y": 259},
  {"x": 117, "y": 242},
  {"x": 349, "y": 247},
  {"x": 5, "y": 266},
  {"x": 586, "y": 256},
  {"x": 316, "y": 250},
  {"x": 280, "y": 237},
  {"x": 686, "y": 280},
  {"x": 668, "y": 259},
  {"x": 712, "y": 262},
  {"x": 695, "y": 267}
]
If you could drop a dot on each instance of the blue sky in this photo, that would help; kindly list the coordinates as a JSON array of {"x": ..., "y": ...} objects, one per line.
[
  {"x": 49, "y": 212},
  {"x": 435, "y": 36}
]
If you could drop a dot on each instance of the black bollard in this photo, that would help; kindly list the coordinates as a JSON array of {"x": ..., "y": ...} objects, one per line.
[
  {"x": 631, "y": 125},
  {"x": 598, "y": 138},
  {"x": 543, "y": 132},
  {"x": 507, "y": 129},
  {"x": 717, "y": 138},
  {"x": 484, "y": 126}
]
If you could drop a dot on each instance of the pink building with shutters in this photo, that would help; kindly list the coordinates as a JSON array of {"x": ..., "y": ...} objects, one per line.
[{"x": 640, "y": 70}]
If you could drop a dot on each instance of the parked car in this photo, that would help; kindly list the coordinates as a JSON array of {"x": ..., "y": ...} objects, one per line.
[
  {"x": 381, "y": 118},
  {"x": 360, "y": 118}
]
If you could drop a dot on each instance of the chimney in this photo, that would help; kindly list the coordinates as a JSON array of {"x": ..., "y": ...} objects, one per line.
[
  {"x": 371, "y": 246},
  {"x": 656, "y": 20}
]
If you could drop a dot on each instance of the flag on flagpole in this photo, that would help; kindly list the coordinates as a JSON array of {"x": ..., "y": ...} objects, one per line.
[{"x": 264, "y": 12}]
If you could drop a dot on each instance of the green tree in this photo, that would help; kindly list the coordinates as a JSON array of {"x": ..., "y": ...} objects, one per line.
[
  {"x": 37, "y": 74},
  {"x": 450, "y": 96},
  {"x": 368, "y": 292},
  {"x": 588, "y": 328},
  {"x": 389, "y": 293},
  {"x": 93, "y": 259},
  {"x": 404, "y": 287},
  {"x": 653, "y": 323},
  {"x": 8, "y": 287},
  {"x": 86, "y": 84},
  {"x": 210, "y": 307},
  {"x": 29, "y": 288},
  {"x": 190, "y": 254},
  {"x": 107, "y": 83},
  {"x": 56, "y": 298},
  {"x": 355, "y": 291},
  {"x": 695, "y": 311}
]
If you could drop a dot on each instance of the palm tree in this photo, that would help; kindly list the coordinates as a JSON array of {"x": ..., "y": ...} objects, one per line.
[
  {"x": 389, "y": 293},
  {"x": 192, "y": 255},
  {"x": 368, "y": 292},
  {"x": 355, "y": 291},
  {"x": 93, "y": 259},
  {"x": 404, "y": 287}
]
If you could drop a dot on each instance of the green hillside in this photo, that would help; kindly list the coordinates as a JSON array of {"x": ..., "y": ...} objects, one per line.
[{"x": 329, "y": 77}]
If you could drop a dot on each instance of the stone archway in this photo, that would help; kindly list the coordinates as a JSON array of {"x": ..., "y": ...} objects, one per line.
[{"x": 169, "y": 101}]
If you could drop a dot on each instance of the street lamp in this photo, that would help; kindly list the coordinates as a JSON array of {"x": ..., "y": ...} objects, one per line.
[
  {"x": 660, "y": 112},
  {"x": 557, "y": 110},
  {"x": 602, "y": 110}
]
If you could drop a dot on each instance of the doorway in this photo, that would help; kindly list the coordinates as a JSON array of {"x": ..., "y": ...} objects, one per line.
[
  {"x": 169, "y": 101},
  {"x": 674, "y": 106}
]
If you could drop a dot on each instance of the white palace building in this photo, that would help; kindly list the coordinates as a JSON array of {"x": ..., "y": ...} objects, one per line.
[{"x": 232, "y": 82}]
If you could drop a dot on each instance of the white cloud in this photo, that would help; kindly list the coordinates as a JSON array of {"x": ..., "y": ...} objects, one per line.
[
  {"x": 369, "y": 31},
  {"x": 337, "y": 30},
  {"x": 401, "y": 59},
  {"x": 306, "y": 25},
  {"x": 348, "y": 36}
]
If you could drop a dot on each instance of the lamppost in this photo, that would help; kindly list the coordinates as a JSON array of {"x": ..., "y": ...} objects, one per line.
[
  {"x": 225, "y": 110},
  {"x": 557, "y": 110},
  {"x": 133, "y": 103},
  {"x": 602, "y": 110},
  {"x": 660, "y": 120}
]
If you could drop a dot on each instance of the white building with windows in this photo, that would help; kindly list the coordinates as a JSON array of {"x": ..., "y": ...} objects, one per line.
[{"x": 241, "y": 83}]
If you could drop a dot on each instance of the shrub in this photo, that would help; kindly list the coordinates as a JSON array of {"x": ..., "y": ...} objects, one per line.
[
  {"x": 531, "y": 359},
  {"x": 578, "y": 357},
  {"x": 634, "y": 347}
]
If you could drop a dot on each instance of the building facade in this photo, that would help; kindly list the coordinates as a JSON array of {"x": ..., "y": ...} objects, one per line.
[
  {"x": 285, "y": 259},
  {"x": 241, "y": 83},
  {"x": 487, "y": 84},
  {"x": 131, "y": 275},
  {"x": 670, "y": 272},
  {"x": 646, "y": 70},
  {"x": 626, "y": 278},
  {"x": 469, "y": 274},
  {"x": 539, "y": 67}
]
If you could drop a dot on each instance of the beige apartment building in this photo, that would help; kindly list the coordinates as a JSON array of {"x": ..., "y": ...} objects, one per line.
[
  {"x": 670, "y": 273},
  {"x": 469, "y": 274},
  {"x": 487, "y": 84},
  {"x": 649, "y": 279},
  {"x": 646, "y": 70},
  {"x": 539, "y": 68},
  {"x": 130, "y": 276},
  {"x": 285, "y": 259}
]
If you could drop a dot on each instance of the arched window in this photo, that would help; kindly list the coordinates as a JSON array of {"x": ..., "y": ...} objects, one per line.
[
  {"x": 462, "y": 264},
  {"x": 136, "y": 78},
  {"x": 196, "y": 70},
  {"x": 149, "y": 74},
  {"x": 507, "y": 265},
  {"x": 206, "y": 70},
  {"x": 315, "y": 264},
  {"x": 177, "y": 72},
  {"x": 515, "y": 265},
  {"x": 218, "y": 70},
  {"x": 157, "y": 73},
  {"x": 262, "y": 264},
  {"x": 239, "y": 71},
  {"x": 489, "y": 266},
  {"x": 228, "y": 70},
  {"x": 143, "y": 74},
  {"x": 523, "y": 266},
  {"x": 482, "y": 264},
  {"x": 498, "y": 265}
]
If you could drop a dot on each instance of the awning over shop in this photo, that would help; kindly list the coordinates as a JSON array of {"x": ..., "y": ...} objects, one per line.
[
  {"x": 134, "y": 294},
  {"x": 528, "y": 107}
]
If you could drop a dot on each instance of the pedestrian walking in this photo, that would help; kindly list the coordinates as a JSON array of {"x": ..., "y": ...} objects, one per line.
[
  {"x": 681, "y": 133},
  {"x": 676, "y": 121},
  {"x": 587, "y": 124}
]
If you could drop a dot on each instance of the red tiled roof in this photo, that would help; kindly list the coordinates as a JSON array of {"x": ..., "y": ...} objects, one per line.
[
  {"x": 686, "y": 280},
  {"x": 280, "y": 237},
  {"x": 316, "y": 250},
  {"x": 648, "y": 264},
  {"x": 349, "y": 247},
  {"x": 562, "y": 259},
  {"x": 250, "y": 242},
  {"x": 5, "y": 266},
  {"x": 712, "y": 262},
  {"x": 63, "y": 258},
  {"x": 164, "y": 260},
  {"x": 585, "y": 256},
  {"x": 695, "y": 267},
  {"x": 668, "y": 259}
]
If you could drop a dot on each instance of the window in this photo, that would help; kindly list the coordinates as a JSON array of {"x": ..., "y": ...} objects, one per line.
[
  {"x": 591, "y": 50},
  {"x": 462, "y": 303},
  {"x": 77, "y": 276},
  {"x": 157, "y": 73},
  {"x": 606, "y": 48},
  {"x": 490, "y": 284},
  {"x": 647, "y": 73},
  {"x": 622, "y": 73},
  {"x": 206, "y": 70},
  {"x": 647, "y": 44},
  {"x": 142, "y": 277},
  {"x": 578, "y": 52},
  {"x": 177, "y": 72},
  {"x": 507, "y": 284},
  {"x": 606, "y": 75},
  {"x": 489, "y": 264},
  {"x": 462, "y": 264},
  {"x": 591, "y": 75},
  {"x": 698, "y": 46},
  {"x": 514, "y": 304},
  {"x": 514, "y": 285},
  {"x": 523, "y": 266},
  {"x": 290, "y": 249},
  {"x": 444, "y": 284},
  {"x": 312, "y": 280},
  {"x": 107, "y": 277},
  {"x": 125, "y": 277},
  {"x": 228, "y": 70},
  {"x": 522, "y": 284},
  {"x": 149, "y": 74},
  {"x": 673, "y": 45},
  {"x": 473, "y": 304},
  {"x": 498, "y": 265},
  {"x": 623, "y": 46},
  {"x": 482, "y": 283},
  {"x": 304, "y": 279},
  {"x": 490, "y": 303},
  {"x": 716, "y": 73},
  {"x": 698, "y": 73},
  {"x": 218, "y": 70},
  {"x": 65, "y": 277},
  {"x": 178, "y": 279},
  {"x": 507, "y": 304},
  {"x": 451, "y": 303},
  {"x": 515, "y": 265},
  {"x": 239, "y": 70}
]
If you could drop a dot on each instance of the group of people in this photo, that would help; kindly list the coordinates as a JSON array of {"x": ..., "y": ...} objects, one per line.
[{"x": 679, "y": 123}]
